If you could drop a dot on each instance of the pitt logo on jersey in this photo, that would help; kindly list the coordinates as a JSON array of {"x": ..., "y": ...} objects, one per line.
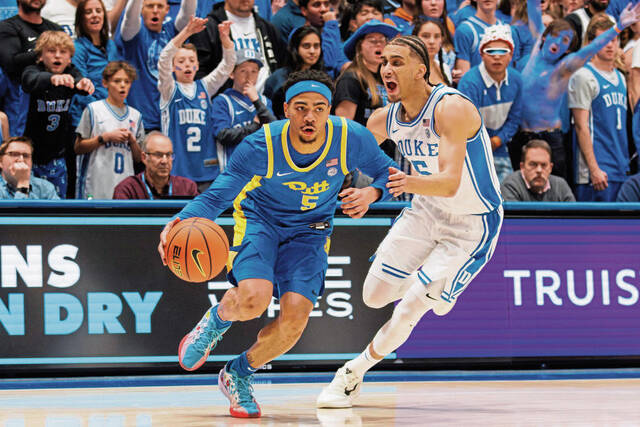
[{"x": 308, "y": 192}]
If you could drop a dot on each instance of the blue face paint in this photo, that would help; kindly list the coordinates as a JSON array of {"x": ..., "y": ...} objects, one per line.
[
  {"x": 178, "y": 68},
  {"x": 556, "y": 46}
]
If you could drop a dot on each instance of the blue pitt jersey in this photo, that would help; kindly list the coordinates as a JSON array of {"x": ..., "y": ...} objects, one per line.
[
  {"x": 188, "y": 123},
  {"x": 293, "y": 192},
  {"x": 265, "y": 183}
]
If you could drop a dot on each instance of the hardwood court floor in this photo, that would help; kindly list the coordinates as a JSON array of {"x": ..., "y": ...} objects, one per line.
[{"x": 607, "y": 402}]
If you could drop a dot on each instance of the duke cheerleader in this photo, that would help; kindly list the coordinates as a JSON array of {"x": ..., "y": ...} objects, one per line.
[
  {"x": 284, "y": 181},
  {"x": 186, "y": 105},
  {"x": 436, "y": 247}
]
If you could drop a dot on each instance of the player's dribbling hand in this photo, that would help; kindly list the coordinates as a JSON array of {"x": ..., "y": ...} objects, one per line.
[
  {"x": 163, "y": 239},
  {"x": 397, "y": 182},
  {"x": 63, "y": 80}
]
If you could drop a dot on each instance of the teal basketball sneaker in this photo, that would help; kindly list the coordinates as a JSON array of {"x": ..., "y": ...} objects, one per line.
[
  {"x": 197, "y": 344},
  {"x": 239, "y": 391}
]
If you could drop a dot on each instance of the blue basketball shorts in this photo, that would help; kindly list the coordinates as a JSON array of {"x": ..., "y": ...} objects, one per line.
[{"x": 294, "y": 259}]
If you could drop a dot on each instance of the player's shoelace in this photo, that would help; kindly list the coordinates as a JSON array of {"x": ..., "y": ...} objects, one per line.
[
  {"x": 205, "y": 337},
  {"x": 242, "y": 389}
]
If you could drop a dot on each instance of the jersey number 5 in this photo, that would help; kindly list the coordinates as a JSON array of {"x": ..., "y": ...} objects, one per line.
[{"x": 421, "y": 167}]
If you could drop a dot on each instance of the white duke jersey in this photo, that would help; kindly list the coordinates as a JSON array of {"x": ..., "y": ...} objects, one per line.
[
  {"x": 418, "y": 142},
  {"x": 101, "y": 170}
]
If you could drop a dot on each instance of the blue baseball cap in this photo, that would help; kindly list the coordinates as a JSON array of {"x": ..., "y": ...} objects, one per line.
[{"x": 373, "y": 26}]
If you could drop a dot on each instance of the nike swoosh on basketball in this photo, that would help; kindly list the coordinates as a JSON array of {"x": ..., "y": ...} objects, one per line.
[
  {"x": 195, "y": 254},
  {"x": 283, "y": 173}
]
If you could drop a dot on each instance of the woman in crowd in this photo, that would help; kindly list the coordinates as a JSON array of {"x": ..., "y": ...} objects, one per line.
[
  {"x": 432, "y": 33},
  {"x": 94, "y": 50},
  {"x": 359, "y": 89},
  {"x": 435, "y": 9},
  {"x": 304, "y": 52}
]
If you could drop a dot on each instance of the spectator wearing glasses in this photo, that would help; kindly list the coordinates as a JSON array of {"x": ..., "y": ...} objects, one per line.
[
  {"x": 496, "y": 89},
  {"x": 156, "y": 182},
  {"x": 16, "y": 180}
]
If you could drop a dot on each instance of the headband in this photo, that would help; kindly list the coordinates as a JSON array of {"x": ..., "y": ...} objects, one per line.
[{"x": 308, "y": 86}]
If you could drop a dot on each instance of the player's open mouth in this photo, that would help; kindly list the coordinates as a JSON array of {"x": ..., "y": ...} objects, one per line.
[
  {"x": 553, "y": 49},
  {"x": 391, "y": 86},
  {"x": 308, "y": 130},
  {"x": 378, "y": 53},
  {"x": 155, "y": 19},
  {"x": 57, "y": 63}
]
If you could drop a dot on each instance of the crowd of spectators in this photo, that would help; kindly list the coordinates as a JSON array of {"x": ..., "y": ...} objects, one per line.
[{"x": 147, "y": 99}]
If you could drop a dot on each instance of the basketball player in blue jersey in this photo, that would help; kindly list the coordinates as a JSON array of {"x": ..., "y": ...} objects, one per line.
[
  {"x": 185, "y": 104},
  {"x": 436, "y": 247},
  {"x": 284, "y": 181}
]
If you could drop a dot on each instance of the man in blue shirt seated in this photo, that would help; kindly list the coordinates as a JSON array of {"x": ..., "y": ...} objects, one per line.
[
  {"x": 16, "y": 181},
  {"x": 496, "y": 89},
  {"x": 287, "y": 178}
]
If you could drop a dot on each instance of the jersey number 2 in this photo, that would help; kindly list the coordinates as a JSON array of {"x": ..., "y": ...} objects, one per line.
[{"x": 193, "y": 139}]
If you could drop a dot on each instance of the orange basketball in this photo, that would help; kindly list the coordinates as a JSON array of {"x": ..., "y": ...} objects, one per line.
[{"x": 197, "y": 249}]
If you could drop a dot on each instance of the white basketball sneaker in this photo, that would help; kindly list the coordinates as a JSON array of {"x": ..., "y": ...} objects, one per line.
[{"x": 341, "y": 392}]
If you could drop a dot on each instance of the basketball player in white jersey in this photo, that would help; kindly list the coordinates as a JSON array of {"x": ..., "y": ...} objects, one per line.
[{"x": 436, "y": 247}]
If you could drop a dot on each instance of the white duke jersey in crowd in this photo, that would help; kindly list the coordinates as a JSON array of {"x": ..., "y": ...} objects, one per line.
[
  {"x": 479, "y": 190},
  {"x": 101, "y": 170}
]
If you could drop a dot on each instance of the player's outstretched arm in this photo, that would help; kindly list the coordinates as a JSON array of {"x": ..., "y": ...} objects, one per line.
[
  {"x": 377, "y": 123},
  {"x": 457, "y": 120},
  {"x": 571, "y": 63}
]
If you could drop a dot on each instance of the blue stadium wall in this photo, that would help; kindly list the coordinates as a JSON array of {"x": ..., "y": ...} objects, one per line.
[{"x": 82, "y": 290}]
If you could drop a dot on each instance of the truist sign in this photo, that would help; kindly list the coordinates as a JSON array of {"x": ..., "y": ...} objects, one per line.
[{"x": 555, "y": 287}]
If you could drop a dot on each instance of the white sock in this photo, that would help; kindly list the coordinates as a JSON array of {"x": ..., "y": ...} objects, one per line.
[
  {"x": 405, "y": 316},
  {"x": 361, "y": 364}
]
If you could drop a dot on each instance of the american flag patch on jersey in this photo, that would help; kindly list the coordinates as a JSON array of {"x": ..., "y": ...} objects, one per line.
[
  {"x": 202, "y": 95},
  {"x": 332, "y": 162},
  {"x": 132, "y": 125},
  {"x": 426, "y": 122}
]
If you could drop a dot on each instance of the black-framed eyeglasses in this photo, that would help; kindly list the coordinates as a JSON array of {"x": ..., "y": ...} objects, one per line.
[{"x": 160, "y": 156}]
